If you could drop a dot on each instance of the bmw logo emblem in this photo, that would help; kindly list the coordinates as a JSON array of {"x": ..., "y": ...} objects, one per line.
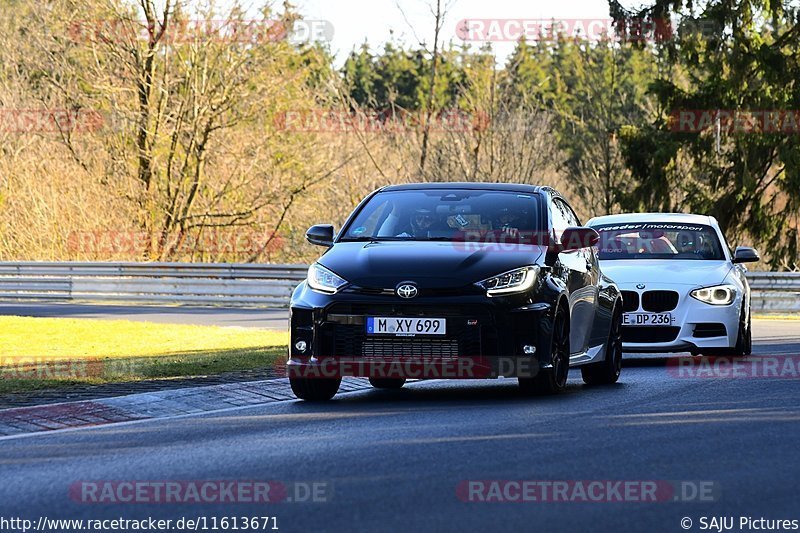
[
  {"x": 407, "y": 290},
  {"x": 640, "y": 286}
]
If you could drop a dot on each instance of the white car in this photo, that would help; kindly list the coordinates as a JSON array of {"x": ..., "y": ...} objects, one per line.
[{"x": 682, "y": 288}]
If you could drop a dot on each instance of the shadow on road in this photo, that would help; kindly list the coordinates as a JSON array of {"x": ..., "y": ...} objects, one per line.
[{"x": 483, "y": 392}]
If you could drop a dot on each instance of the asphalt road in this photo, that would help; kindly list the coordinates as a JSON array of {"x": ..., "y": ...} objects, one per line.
[{"x": 393, "y": 460}]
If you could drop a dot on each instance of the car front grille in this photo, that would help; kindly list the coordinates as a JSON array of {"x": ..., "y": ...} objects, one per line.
[
  {"x": 647, "y": 334},
  {"x": 469, "y": 334},
  {"x": 659, "y": 301},
  {"x": 630, "y": 301},
  {"x": 418, "y": 349},
  {"x": 352, "y": 340}
]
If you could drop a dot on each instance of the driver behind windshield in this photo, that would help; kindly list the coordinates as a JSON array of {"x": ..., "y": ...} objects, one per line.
[
  {"x": 686, "y": 243},
  {"x": 509, "y": 221},
  {"x": 423, "y": 224}
]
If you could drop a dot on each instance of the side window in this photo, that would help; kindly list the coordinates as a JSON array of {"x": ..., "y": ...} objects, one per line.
[
  {"x": 560, "y": 218},
  {"x": 566, "y": 217},
  {"x": 572, "y": 218}
]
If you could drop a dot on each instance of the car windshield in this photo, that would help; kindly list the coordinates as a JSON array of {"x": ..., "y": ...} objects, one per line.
[
  {"x": 444, "y": 215},
  {"x": 658, "y": 240}
]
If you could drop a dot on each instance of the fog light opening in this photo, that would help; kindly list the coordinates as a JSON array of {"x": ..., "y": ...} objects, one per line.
[
  {"x": 301, "y": 346},
  {"x": 528, "y": 349}
]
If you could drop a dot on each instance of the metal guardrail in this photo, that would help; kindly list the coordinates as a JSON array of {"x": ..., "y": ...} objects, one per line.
[
  {"x": 775, "y": 292},
  {"x": 173, "y": 283},
  {"x": 240, "y": 284}
]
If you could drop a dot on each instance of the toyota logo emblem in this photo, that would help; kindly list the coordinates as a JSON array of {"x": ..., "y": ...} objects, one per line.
[
  {"x": 407, "y": 291},
  {"x": 640, "y": 286}
]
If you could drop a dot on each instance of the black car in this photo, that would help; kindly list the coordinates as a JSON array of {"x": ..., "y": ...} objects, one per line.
[{"x": 455, "y": 280}]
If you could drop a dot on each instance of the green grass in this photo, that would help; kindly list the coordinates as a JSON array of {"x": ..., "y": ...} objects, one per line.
[
  {"x": 767, "y": 316},
  {"x": 39, "y": 353}
]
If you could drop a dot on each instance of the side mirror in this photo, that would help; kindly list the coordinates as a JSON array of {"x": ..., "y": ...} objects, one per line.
[
  {"x": 321, "y": 235},
  {"x": 576, "y": 238},
  {"x": 745, "y": 254}
]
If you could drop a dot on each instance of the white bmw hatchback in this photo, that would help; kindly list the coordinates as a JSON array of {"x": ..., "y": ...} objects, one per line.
[{"x": 682, "y": 288}]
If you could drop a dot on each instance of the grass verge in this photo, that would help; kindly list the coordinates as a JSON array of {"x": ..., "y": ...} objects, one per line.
[
  {"x": 767, "y": 316},
  {"x": 43, "y": 353}
]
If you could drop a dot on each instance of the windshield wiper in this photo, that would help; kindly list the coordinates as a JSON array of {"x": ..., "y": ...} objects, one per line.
[{"x": 359, "y": 239}]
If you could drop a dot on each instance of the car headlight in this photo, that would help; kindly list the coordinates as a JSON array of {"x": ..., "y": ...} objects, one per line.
[
  {"x": 716, "y": 295},
  {"x": 323, "y": 280},
  {"x": 517, "y": 280}
]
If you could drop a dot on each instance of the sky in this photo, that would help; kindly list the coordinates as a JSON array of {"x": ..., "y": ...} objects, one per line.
[{"x": 411, "y": 21}]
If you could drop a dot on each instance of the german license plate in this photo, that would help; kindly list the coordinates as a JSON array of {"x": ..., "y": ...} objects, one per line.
[
  {"x": 648, "y": 319},
  {"x": 409, "y": 327}
]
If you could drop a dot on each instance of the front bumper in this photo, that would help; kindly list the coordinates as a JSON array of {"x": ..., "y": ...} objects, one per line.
[
  {"x": 698, "y": 326},
  {"x": 485, "y": 337}
]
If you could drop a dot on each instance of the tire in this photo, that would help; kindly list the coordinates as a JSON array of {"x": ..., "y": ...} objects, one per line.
[
  {"x": 387, "y": 383},
  {"x": 552, "y": 380},
  {"x": 314, "y": 389},
  {"x": 608, "y": 370},
  {"x": 744, "y": 340}
]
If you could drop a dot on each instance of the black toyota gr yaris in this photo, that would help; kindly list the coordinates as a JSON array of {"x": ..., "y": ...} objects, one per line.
[{"x": 455, "y": 280}]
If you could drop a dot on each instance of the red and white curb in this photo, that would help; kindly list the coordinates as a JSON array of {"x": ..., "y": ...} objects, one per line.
[{"x": 21, "y": 421}]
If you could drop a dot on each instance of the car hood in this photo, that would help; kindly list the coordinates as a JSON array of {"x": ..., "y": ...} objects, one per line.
[
  {"x": 669, "y": 271},
  {"x": 429, "y": 264}
]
